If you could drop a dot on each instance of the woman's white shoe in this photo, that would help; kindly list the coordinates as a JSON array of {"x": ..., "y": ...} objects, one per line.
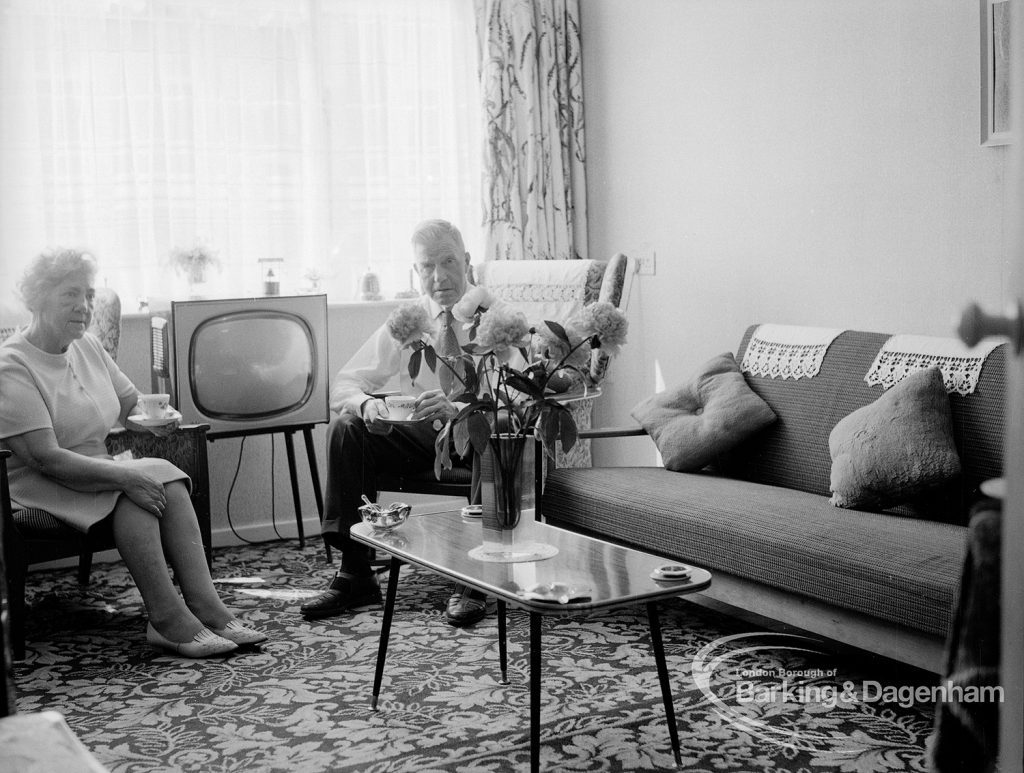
[
  {"x": 203, "y": 645},
  {"x": 240, "y": 634}
]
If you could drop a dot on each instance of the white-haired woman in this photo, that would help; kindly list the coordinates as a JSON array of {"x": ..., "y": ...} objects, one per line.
[{"x": 60, "y": 393}]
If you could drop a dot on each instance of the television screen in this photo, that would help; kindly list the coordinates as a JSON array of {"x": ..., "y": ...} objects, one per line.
[
  {"x": 251, "y": 364},
  {"x": 246, "y": 365}
]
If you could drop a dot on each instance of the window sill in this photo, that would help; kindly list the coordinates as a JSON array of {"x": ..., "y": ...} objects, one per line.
[{"x": 386, "y": 303}]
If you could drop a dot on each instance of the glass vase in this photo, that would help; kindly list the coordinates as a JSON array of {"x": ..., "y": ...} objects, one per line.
[
  {"x": 507, "y": 488},
  {"x": 507, "y": 455}
]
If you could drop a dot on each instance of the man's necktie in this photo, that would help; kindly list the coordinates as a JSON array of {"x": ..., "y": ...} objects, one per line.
[{"x": 448, "y": 348}]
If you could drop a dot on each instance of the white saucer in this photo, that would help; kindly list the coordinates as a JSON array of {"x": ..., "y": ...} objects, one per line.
[
  {"x": 386, "y": 420},
  {"x": 143, "y": 421}
]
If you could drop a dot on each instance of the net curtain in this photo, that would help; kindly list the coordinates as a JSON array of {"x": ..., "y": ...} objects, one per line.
[
  {"x": 532, "y": 86},
  {"x": 318, "y": 131}
]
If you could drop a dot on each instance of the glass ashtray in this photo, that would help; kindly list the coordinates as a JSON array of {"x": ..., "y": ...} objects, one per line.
[
  {"x": 556, "y": 593},
  {"x": 385, "y": 519}
]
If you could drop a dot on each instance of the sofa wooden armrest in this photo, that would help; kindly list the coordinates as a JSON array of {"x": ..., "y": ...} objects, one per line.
[{"x": 611, "y": 432}]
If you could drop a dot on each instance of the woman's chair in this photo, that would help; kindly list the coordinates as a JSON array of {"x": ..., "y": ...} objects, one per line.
[
  {"x": 35, "y": 536},
  {"x": 7, "y": 706},
  {"x": 36, "y": 741}
]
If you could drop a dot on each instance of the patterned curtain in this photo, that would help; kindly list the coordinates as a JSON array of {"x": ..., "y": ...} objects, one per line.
[{"x": 535, "y": 205}]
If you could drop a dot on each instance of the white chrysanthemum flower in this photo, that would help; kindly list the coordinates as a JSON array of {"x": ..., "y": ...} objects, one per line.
[
  {"x": 605, "y": 321},
  {"x": 474, "y": 298},
  {"x": 503, "y": 329},
  {"x": 409, "y": 323}
]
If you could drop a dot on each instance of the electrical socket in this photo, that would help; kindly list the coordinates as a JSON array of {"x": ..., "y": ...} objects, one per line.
[{"x": 646, "y": 264}]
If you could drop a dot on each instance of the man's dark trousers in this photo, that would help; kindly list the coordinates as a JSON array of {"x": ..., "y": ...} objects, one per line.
[{"x": 354, "y": 457}]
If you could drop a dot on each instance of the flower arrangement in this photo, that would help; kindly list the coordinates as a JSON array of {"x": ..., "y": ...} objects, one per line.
[
  {"x": 193, "y": 263},
  {"x": 505, "y": 376}
]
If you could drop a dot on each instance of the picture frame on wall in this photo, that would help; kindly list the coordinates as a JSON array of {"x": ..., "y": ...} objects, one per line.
[{"x": 995, "y": 72}]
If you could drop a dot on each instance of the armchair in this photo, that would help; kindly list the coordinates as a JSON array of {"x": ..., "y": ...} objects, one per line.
[
  {"x": 35, "y": 536},
  {"x": 555, "y": 290}
]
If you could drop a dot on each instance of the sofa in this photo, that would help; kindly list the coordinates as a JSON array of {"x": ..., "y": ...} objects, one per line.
[{"x": 760, "y": 516}]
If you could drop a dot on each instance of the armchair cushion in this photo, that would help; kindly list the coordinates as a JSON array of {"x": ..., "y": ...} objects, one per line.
[
  {"x": 695, "y": 423},
  {"x": 896, "y": 448}
]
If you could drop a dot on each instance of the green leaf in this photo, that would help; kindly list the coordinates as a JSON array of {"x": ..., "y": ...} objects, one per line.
[
  {"x": 567, "y": 430},
  {"x": 558, "y": 330},
  {"x": 475, "y": 406},
  {"x": 522, "y": 384},
  {"x": 414, "y": 364},
  {"x": 442, "y": 456},
  {"x": 431, "y": 357},
  {"x": 479, "y": 430},
  {"x": 460, "y": 435},
  {"x": 547, "y": 429}
]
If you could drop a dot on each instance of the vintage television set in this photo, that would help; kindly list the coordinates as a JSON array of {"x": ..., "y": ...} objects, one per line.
[
  {"x": 244, "y": 365},
  {"x": 247, "y": 366}
]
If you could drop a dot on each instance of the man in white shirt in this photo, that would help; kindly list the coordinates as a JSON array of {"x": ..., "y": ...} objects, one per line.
[{"x": 360, "y": 444}]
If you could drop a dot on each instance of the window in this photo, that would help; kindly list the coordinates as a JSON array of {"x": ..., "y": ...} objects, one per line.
[{"x": 318, "y": 131}]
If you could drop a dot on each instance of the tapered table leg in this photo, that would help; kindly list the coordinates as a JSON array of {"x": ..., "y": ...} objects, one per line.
[
  {"x": 385, "y": 629},
  {"x": 502, "y": 642},
  {"x": 289, "y": 445},
  {"x": 535, "y": 661},
  {"x": 666, "y": 685}
]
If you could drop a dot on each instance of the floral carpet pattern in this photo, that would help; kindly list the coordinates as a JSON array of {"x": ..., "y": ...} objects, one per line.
[{"x": 301, "y": 701}]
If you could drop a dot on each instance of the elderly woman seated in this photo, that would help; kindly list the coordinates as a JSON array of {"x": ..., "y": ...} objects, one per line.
[{"x": 61, "y": 393}]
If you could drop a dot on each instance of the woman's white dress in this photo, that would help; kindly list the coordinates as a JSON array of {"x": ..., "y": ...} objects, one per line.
[{"x": 77, "y": 394}]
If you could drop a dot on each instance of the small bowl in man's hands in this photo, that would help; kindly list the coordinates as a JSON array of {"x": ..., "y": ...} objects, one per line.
[{"x": 385, "y": 519}]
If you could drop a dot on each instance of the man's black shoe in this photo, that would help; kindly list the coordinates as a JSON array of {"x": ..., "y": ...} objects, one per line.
[
  {"x": 345, "y": 592},
  {"x": 467, "y": 607}
]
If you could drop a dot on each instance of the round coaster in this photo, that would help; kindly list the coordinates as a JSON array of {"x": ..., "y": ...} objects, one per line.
[{"x": 512, "y": 554}]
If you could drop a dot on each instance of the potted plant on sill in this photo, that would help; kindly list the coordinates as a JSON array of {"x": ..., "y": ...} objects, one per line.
[{"x": 194, "y": 265}]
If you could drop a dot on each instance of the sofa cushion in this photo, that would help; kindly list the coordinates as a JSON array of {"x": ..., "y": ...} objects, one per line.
[
  {"x": 695, "y": 423},
  {"x": 897, "y": 569},
  {"x": 896, "y": 448}
]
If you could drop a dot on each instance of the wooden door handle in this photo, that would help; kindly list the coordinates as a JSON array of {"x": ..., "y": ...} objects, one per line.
[{"x": 976, "y": 324}]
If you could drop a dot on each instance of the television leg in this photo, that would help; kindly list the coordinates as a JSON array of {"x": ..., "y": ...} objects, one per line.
[
  {"x": 289, "y": 445},
  {"x": 314, "y": 474}
]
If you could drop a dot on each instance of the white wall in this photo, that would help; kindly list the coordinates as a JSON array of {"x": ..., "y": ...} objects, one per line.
[{"x": 789, "y": 161}]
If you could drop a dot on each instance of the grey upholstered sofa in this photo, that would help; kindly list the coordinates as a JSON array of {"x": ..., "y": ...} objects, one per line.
[{"x": 762, "y": 522}]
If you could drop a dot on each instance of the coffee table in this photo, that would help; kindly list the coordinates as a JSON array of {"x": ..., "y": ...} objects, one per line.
[{"x": 608, "y": 575}]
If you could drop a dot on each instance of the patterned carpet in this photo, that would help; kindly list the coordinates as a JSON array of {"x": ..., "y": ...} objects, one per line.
[{"x": 300, "y": 703}]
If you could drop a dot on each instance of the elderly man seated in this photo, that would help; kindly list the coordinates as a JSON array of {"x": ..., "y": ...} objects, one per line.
[{"x": 360, "y": 444}]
